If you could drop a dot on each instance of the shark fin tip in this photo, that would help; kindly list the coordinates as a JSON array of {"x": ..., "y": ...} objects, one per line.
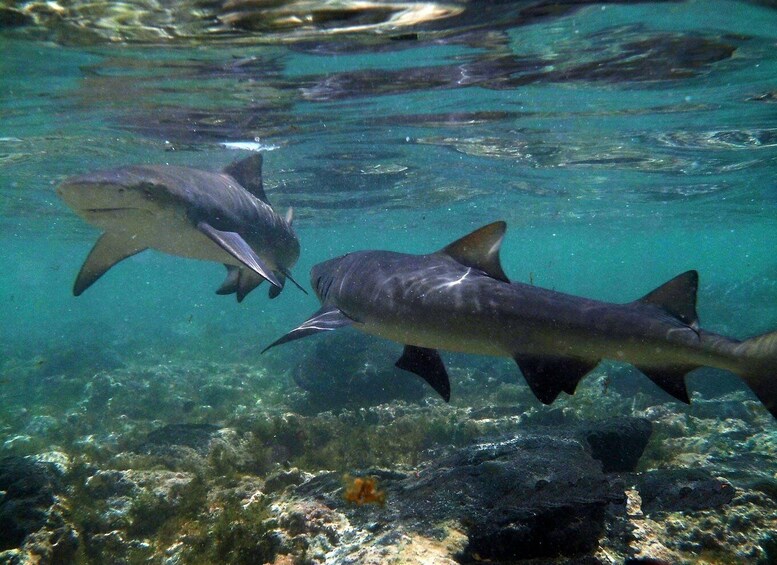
[{"x": 234, "y": 244}]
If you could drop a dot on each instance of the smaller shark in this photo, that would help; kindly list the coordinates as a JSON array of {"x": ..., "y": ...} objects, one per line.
[
  {"x": 223, "y": 217},
  {"x": 459, "y": 299}
]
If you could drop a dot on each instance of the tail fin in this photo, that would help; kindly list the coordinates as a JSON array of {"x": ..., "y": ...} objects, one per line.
[{"x": 759, "y": 368}]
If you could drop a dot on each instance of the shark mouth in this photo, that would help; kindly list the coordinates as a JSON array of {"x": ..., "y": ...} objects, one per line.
[{"x": 98, "y": 210}]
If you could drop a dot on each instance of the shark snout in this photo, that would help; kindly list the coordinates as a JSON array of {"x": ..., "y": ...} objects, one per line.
[
  {"x": 101, "y": 191},
  {"x": 75, "y": 193}
]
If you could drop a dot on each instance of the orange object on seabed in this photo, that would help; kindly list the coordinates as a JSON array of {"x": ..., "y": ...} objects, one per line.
[{"x": 363, "y": 490}]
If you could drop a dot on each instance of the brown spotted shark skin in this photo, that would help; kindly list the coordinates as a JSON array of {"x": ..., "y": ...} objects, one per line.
[{"x": 459, "y": 299}]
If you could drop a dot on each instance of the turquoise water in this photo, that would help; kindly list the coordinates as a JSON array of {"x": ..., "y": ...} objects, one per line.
[
  {"x": 610, "y": 185},
  {"x": 622, "y": 144}
]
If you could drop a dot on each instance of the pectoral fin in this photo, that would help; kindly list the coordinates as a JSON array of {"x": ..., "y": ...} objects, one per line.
[
  {"x": 109, "y": 249},
  {"x": 235, "y": 245},
  {"x": 326, "y": 319},
  {"x": 548, "y": 376},
  {"x": 282, "y": 275},
  {"x": 427, "y": 364}
]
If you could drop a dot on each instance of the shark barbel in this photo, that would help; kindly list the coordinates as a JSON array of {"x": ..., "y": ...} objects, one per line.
[
  {"x": 223, "y": 217},
  {"x": 459, "y": 299}
]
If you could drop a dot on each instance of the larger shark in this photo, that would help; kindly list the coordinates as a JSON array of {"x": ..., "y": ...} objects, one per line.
[
  {"x": 223, "y": 217},
  {"x": 459, "y": 299}
]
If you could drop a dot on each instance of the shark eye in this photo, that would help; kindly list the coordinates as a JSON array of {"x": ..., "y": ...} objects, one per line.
[{"x": 147, "y": 189}]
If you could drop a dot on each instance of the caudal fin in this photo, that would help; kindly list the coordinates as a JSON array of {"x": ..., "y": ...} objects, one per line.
[{"x": 759, "y": 368}]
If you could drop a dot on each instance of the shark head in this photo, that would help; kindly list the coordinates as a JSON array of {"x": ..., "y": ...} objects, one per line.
[
  {"x": 104, "y": 198},
  {"x": 322, "y": 275}
]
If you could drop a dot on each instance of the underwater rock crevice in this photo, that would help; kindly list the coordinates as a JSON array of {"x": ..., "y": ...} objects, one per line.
[{"x": 32, "y": 520}]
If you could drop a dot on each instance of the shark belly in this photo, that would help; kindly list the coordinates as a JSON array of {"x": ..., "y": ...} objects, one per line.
[
  {"x": 432, "y": 336},
  {"x": 185, "y": 240},
  {"x": 167, "y": 230}
]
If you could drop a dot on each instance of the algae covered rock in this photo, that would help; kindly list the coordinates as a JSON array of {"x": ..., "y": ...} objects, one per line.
[
  {"x": 536, "y": 495},
  {"x": 31, "y": 521},
  {"x": 540, "y": 494},
  {"x": 618, "y": 443},
  {"x": 279, "y": 480},
  {"x": 194, "y": 436},
  {"x": 670, "y": 490}
]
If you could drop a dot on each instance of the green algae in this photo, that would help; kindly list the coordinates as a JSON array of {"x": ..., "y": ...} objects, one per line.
[
  {"x": 352, "y": 441},
  {"x": 151, "y": 512},
  {"x": 235, "y": 533}
]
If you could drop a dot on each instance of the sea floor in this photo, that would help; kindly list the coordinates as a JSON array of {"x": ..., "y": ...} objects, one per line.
[{"x": 186, "y": 461}]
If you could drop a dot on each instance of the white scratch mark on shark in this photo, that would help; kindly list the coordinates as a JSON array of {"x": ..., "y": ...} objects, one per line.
[{"x": 457, "y": 281}]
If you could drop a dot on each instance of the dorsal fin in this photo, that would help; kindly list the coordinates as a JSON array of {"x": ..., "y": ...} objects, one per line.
[
  {"x": 480, "y": 250},
  {"x": 677, "y": 297},
  {"x": 248, "y": 172}
]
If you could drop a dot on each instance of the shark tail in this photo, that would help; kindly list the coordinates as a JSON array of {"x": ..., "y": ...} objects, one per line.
[{"x": 759, "y": 368}]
